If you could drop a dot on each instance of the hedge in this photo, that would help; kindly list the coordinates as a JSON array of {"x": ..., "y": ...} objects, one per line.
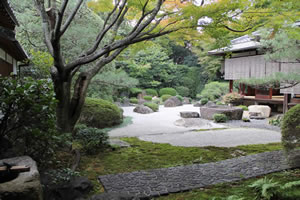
[
  {"x": 148, "y": 98},
  {"x": 134, "y": 100},
  {"x": 165, "y": 97},
  {"x": 219, "y": 118},
  {"x": 100, "y": 113},
  {"x": 151, "y": 92},
  {"x": 183, "y": 91},
  {"x": 169, "y": 91},
  {"x": 151, "y": 105}
]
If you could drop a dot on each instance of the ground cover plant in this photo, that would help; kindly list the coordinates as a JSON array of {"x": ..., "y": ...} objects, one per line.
[
  {"x": 168, "y": 91},
  {"x": 147, "y": 155},
  {"x": 151, "y": 105}
]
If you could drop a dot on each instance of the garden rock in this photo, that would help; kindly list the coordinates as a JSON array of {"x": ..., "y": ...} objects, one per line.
[
  {"x": 233, "y": 113},
  {"x": 265, "y": 110},
  {"x": 118, "y": 142},
  {"x": 76, "y": 188},
  {"x": 142, "y": 109},
  {"x": 141, "y": 101},
  {"x": 113, "y": 196},
  {"x": 210, "y": 104},
  {"x": 197, "y": 104},
  {"x": 172, "y": 102},
  {"x": 187, "y": 114},
  {"x": 26, "y": 186},
  {"x": 255, "y": 115},
  {"x": 126, "y": 102},
  {"x": 186, "y": 100}
]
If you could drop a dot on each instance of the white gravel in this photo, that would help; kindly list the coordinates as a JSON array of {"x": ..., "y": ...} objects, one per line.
[{"x": 160, "y": 127}]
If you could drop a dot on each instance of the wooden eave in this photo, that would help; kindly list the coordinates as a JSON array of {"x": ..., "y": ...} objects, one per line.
[{"x": 7, "y": 17}]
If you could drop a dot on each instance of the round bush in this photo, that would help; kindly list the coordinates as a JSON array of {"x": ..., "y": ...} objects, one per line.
[
  {"x": 203, "y": 101},
  {"x": 151, "y": 105},
  {"x": 290, "y": 130},
  {"x": 165, "y": 97},
  {"x": 133, "y": 100},
  {"x": 180, "y": 98},
  {"x": 135, "y": 91},
  {"x": 148, "y": 98},
  {"x": 220, "y": 118},
  {"x": 100, "y": 113},
  {"x": 151, "y": 92},
  {"x": 183, "y": 91},
  {"x": 169, "y": 91}
]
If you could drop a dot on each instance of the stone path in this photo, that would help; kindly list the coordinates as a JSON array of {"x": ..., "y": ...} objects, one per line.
[{"x": 163, "y": 181}]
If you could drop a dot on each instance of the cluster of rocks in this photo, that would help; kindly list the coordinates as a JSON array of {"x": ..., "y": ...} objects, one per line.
[{"x": 173, "y": 102}]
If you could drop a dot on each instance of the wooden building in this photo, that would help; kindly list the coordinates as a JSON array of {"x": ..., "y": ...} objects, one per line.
[
  {"x": 243, "y": 59},
  {"x": 10, "y": 49}
]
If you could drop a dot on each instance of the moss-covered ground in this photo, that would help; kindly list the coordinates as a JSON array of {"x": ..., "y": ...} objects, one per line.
[{"x": 147, "y": 155}]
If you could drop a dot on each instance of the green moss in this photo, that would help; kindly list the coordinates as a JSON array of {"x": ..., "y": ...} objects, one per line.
[
  {"x": 148, "y": 98},
  {"x": 133, "y": 100},
  {"x": 153, "y": 106},
  {"x": 169, "y": 91},
  {"x": 135, "y": 91},
  {"x": 245, "y": 108},
  {"x": 99, "y": 113},
  {"x": 180, "y": 98},
  {"x": 151, "y": 92},
  {"x": 165, "y": 97}
]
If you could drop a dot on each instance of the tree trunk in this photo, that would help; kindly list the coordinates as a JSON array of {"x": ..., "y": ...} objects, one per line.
[{"x": 69, "y": 107}]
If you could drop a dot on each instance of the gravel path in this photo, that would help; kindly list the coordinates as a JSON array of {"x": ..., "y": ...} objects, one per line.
[
  {"x": 163, "y": 181},
  {"x": 164, "y": 127}
]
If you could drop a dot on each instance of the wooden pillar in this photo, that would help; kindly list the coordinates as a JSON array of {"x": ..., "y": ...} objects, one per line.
[
  {"x": 243, "y": 89},
  {"x": 286, "y": 101},
  {"x": 270, "y": 93},
  {"x": 230, "y": 86}
]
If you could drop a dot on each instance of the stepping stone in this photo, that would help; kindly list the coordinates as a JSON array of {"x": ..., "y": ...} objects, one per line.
[
  {"x": 163, "y": 181},
  {"x": 188, "y": 114}
]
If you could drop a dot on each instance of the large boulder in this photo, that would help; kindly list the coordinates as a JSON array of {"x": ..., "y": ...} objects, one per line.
[
  {"x": 264, "y": 110},
  {"x": 197, "y": 104},
  {"x": 26, "y": 185},
  {"x": 188, "y": 114},
  {"x": 75, "y": 188},
  {"x": 172, "y": 102},
  {"x": 186, "y": 100},
  {"x": 233, "y": 113},
  {"x": 142, "y": 109}
]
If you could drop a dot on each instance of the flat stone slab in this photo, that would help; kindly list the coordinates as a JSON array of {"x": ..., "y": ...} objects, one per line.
[
  {"x": 163, "y": 181},
  {"x": 188, "y": 114}
]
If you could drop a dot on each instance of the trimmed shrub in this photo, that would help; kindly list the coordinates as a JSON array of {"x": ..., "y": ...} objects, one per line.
[
  {"x": 203, "y": 101},
  {"x": 91, "y": 139},
  {"x": 151, "y": 105},
  {"x": 157, "y": 101},
  {"x": 220, "y": 118},
  {"x": 214, "y": 90},
  {"x": 28, "y": 118},
  {"x": 198, "y": 97},
  {"x": 134, "y": 100},
  {"x": 100, "y": 113},
  {"x": 245, "y": 108},
  {"x": 148, "y": 98},
  {"x": 165, "y": 97},
  {"x": 169, "y": 91},
  {"x": 231, "y": 97},
  {"x": 290, "y": 130},
  {"x": 151, "y": 92},
  {"x": 135, "y": 91},
  {"x": 183, "y": 91},
  {"x": 180, "y": 98},
  {"x": 219, "y": 103}
]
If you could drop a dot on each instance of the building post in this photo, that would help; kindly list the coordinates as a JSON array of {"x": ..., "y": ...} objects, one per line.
[
  {"x": 286, "y": 102},
  {"x": 230, "y": 86},
  {"x": 270, "y": 93}
]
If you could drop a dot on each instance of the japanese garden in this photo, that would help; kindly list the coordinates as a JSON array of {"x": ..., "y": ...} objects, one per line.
[{"x": 149, "y": 99}]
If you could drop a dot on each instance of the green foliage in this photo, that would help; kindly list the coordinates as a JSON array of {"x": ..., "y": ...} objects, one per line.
[
  {"x": 169, "y": 91},
  {"x": 290, "y": 130},
  {"x": 151, "y": 105},
  {"x": 180, "y": 98},
  {"x": 100, "y": 113},
  {"x": 265, "y": 188},
  {"x": 219, "y": 103},
  {"x": 156, "y": 100},
  {"x": 276, "y": 121},
  {"x": 220, "y": 118},
  {"x": 151, "y": 92},
  {"x": 28, "y": 122},
  {"x": 148, "y": 98},
  {"x": 231, "y": 97},
  {"x": 214, "y": 90},
  {"x": 183, "y": 91},
  {"x": 246, "y": 119},
  {"x": 91, "y": 139},
  {"x": 135, "y": 91},
  {"x": 245, "y": 108},
  {"x": 134, "y": 100},
  {"x": 58, "y": 176},
  {"x": 165, "y": 97},
  {"x": 203, "y": 101}
]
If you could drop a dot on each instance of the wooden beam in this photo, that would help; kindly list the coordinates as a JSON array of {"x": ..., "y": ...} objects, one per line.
[
  {"x": 15, "y": 169},
  {"x": 270, "y": 93},
  {"x": 286, "y": 103}
]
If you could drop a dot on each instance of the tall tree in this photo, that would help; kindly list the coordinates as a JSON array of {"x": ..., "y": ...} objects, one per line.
[{"x": 147, "y": 19}]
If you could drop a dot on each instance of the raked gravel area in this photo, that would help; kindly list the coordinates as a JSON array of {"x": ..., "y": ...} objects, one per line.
[{"x": 160, "y": 127}]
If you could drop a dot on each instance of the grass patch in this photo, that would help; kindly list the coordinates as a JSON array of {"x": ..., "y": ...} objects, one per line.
[
  {"x": 212, "y": 129},
  {"x": 147, "y": 155},
  {"x": 240, "y": 188}
]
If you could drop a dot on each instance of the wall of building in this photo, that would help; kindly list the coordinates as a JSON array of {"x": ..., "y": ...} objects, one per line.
[{"x": 8, "y": 64}]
